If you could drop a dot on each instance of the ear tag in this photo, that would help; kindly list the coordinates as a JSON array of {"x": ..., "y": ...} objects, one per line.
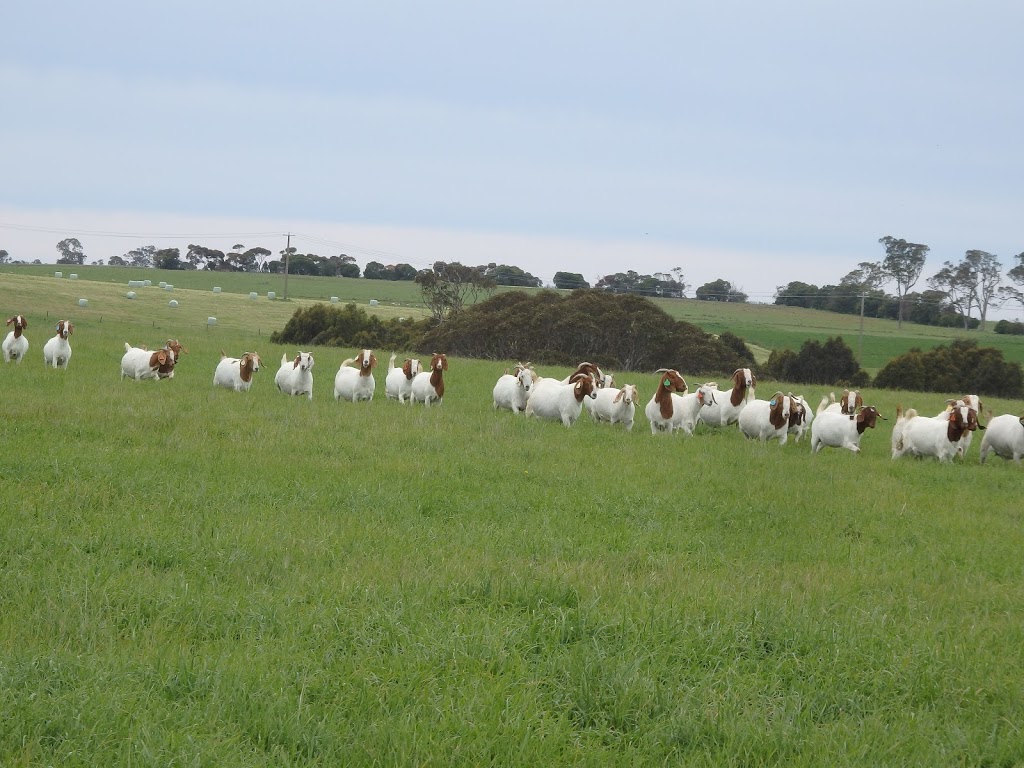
[
  {"x": 668, "y": 382},
  {"x": 772, "y": 403},
  {"x": 700, "y": 397}
]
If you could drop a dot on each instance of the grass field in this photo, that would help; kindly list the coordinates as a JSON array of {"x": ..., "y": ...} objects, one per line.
[{"x": 191, "y": 576}]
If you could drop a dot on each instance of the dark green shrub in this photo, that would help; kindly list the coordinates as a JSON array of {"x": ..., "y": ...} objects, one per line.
[
  {"x": 959, "y": 367},
  {"x": 831, "y": 363}
]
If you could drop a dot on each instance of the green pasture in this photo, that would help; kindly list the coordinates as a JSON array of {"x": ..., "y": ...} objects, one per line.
[{"x": 191, "y": 576}]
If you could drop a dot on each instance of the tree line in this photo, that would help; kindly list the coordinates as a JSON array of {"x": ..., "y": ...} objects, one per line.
[{"x": 959, "y": 294}]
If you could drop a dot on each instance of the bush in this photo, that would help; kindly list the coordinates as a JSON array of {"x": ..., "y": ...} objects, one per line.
[
  {"x": 622, "y": 332},
  {"x": 348, "y": 326},
  {"x": 960, "y": 367},
  {"x": 1014, "y": 329},
  {"x": 831, "y": 363}
]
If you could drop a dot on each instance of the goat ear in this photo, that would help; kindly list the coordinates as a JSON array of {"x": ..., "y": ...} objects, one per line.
[{"x": 298, "y": 358}]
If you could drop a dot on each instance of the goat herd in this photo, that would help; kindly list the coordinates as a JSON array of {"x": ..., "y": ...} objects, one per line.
[{"x": 834, "y": 424}]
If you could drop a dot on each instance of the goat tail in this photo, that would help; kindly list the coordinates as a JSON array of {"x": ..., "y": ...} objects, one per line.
[{"x": 391, "y": 361}]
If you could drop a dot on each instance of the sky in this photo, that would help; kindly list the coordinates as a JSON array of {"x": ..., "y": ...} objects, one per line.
[{"x": 755, "y": 142}]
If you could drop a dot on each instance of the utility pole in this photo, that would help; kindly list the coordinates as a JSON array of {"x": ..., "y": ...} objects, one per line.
[
  {"x": 860, "y": 338},
  {"x": 288, "y": 252}
]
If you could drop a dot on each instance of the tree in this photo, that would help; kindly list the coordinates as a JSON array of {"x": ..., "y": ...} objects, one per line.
[
  {"x": 97, "y": 262},
  {"x": 4, "y": 256},
  {"x": 141, "y": 257},
  {"x": 985, "y": 271},
  {"x": 168, "y": 258},
  {"x": 869, "y": 276},
  {"x": 903, "y": 263},
  {"x": 504, "y": 274},
  {"x": 798, "y": 294},
  {"x": 1016, "y": 291},
  {"x": 71, "y": 251},
  {"x": 405, "y": 272},
  {"x": 447, "y": 287},
  {"x": 720, "y": 290},
  {"x": 117, "y": 261},
  {"x": 570, "y": 281},
  {"x": 954, "y": 281}
]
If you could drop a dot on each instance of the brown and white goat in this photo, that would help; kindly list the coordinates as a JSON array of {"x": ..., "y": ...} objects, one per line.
[
  {"x": 398, "y": 382},
  {"x": 139, "y": 363},
  {"x": 664, "y": 411},
  {"x": 15, "y": 346},
  {"x": 561, "y": 402},
  {"x": 727, "y": 408},
  {"x": 356, "y": 383},
  {"x": 236, "y": 372},
  {"x": 428, "y": 386},
  {"x": 57, "y": 350},
  {"x": 767, "y": 419}
]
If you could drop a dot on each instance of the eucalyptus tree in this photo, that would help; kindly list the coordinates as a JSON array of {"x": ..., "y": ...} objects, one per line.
[{"x": 902, "y": 264}]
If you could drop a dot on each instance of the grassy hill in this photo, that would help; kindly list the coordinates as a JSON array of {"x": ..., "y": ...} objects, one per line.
[
  {"x": 193, "y": 576},
  {"x": 763, "y": 326}
]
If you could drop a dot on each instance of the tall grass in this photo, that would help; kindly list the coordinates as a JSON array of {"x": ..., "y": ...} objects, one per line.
[{"x": 191, "y": 576}]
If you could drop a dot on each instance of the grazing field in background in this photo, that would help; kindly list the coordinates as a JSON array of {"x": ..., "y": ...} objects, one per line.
[
  {"x": 763, "y": 326},
  {"x": 191, "y": 576}
]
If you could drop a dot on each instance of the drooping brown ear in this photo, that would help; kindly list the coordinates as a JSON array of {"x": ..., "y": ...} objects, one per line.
[
  {"x": 407, "y": 368},
  {"x": 618, "y": 397},
  {"x": 444, "y": 363},
  {"x": 373, "y": 361},
  {"x": 298, "y": 359}
]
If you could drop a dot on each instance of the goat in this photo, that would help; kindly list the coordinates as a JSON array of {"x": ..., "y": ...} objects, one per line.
[
  {"x": 616, "y": 406},
  {"x": 295, "y": 377},
  {"x": 850, "y": 403},
  {"x": 557, "y": 401},
  {"x": 664, "y": 410},
  {"x": 589, "y": 369},
  {"x": 176, "y": 349},
  {"x": 800, "y": 416},
  {"x": 929, "y": 437},
  {"x": 356, "y": 383},
  {"x": 398, "y": 382},
  {"x": 139, "y": 363},
  {"x": 766, "y": 419},
  {"x": 236, "y": 372},
  {"x": 726, "y": 410},
  {"x": 512, "y": 390},
  {"x": 57, "y": 350},
  {"x": 1005, "y": 437},
  {"x": 15, "y": 346},
  {"x": 839, "y": 430},
  {"x": 428, "y": 387},
  {"x": 974, "y": 403}
]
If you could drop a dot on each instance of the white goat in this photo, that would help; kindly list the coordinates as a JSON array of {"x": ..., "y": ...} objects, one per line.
[
  {"x": 295, "y": 377},
  {"x": 690, "y": 405},
  {"x": 398, "y": 382},
  {"x": 850, "y": 402},
  {"x": 1004, "y": 436},
  {"x": 356, "y": 383},
  {"x": 15, "y": 346},
  {"x": 139, "y": 363},
  {"x": 839, "y": 430},
  {"x": 974, "y": 403},
  {"x": 428, "y": 386},
  {"x": 57, "y": 350},
  {"x": 664, "y": 410},
  {"x": 512, "y": 390},
  {"x": 236, "y": 372},
  {"x": 766, "y": 419},
  {"x": 800, "y": 416},
  {"x": 920, "y": 436},
  {"x": 616, "y": 406},
  {"x": 728, "y": 405},
  {"x": 557, "y": 401}
]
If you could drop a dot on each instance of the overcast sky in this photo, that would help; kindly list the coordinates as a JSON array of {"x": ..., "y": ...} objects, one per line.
[{"x": 751, "y": 141}]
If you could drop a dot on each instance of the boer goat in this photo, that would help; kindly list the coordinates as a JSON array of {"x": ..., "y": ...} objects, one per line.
[
  {"x": 767, "y": 419},
  {"x": 57, "y": 350},
  {"x": 921, "y": 436},
  {"x": 512, "y": 390},
  {"x": 295, "y": 377},
  {"x": 1004, "y": 436},
  {"x": 839, "y": 430},
  {"x": 356, "y": 383},
  {"x": 15, "y": 346},
  {"x": 139, "y": 363},
  {"x": 562, "y": 402},
  {"x": 398, "y": 382},
  {"x": 428, "y": 386},
  {"x": 236, "y": 372},
  {"x": 664, "y": 410},
  {"x": 616, "y": 406},
  {"x": 728, "y": 405}
]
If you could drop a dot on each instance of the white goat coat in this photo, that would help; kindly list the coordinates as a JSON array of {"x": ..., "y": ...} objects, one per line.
[
  {"x": 834, "y": 430},
  {"x": 350, "y": 384},
  {"x": 296, "y": 379},
  {"x": 755, "y": 421},
  {"x": 229, "y": 374},
  {"x": 556, "y": 401},
  {"x": 616, "y": 406},
  {"x": 397, "y": 385},
  {"x": 972, "y": 401},
  {"x": 57, "y": 352},
  {"x": 513, "y": 392},
  {"x": 15, "y": 348},
  {"x": 1004, "y": 436},
  {"x": 136, "y": 364},
  {"x": 922, "y": 436},
  {"x": 722, "y": 412}
]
